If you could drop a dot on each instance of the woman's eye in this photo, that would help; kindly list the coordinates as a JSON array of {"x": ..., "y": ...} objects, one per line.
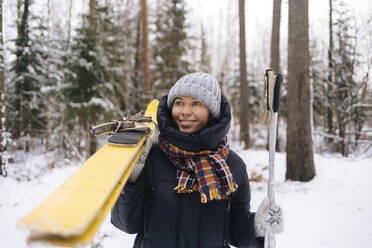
[
  {"x": 196, "y": 103},
  {"x": 178, "y": 103}
]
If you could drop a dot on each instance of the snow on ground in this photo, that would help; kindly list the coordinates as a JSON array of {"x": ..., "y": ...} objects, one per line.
[{"x": 334, "y": 210}]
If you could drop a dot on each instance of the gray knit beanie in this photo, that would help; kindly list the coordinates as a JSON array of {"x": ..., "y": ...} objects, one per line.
[{"x": 199, "y": 85}]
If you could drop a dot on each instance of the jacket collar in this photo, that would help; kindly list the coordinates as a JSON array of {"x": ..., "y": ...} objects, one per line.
[{"x": 206, "y": 139}]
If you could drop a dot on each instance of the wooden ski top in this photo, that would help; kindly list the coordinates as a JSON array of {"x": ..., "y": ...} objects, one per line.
[{"x": 71, "y": 215}]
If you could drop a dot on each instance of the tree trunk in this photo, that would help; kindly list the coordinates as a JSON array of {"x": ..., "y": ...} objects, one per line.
[
  {"x": 136, "y": 88},
  {"x": 275, "y": 49},
  {"x": 48, "y": 14},
  {"x": 92, "y": 13},
  {"x": 300, "y": 158},
  {"x": 2, "y": 93},
  {"x": 145, "y": 51},
  {"x": 24, "y": 109},
  {"x": 275, "y": 37},
  {"x": 330, "y": 91},
  {"x": 2, "y": 71},
  {"x": 19, "y": 15},
  {"x": 69, "y": 21},
  {"x": 91, "y": 140},
  {"x": 244, "y": 121}
]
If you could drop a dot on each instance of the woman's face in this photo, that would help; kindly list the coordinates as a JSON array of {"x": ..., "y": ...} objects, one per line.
[{"x": 189, "y": 114}]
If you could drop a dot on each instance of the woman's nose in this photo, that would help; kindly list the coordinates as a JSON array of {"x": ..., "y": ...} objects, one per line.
[{"x": 186, "y": 110}]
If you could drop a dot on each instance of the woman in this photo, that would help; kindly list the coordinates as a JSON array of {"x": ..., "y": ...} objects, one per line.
[{"x": 193, "y": 190}]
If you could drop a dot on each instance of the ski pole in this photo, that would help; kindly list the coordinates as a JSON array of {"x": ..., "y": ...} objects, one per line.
[{"x": 272, "y": 86}]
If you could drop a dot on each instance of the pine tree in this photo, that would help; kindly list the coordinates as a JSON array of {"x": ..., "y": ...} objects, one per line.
[
  {"x": 56, "y": 49},
  {"x": 347, "y": 88},
  {"x": 118, "y": 40},
  {"x": 232, "y": 89},
  {"x": 112, "y": 43},
  {"x": 86, "y": 90},
  {"x": 320, "y": 105},
  {"x": 319, "y": 90},
  {"x": 26, "y": 101},
  {"x": 340, "y": 94},
  {"x": 171, "y": 45}
]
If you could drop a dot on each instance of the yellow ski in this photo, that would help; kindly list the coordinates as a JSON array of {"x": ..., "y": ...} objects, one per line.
[{"x": 72, "y": 214}]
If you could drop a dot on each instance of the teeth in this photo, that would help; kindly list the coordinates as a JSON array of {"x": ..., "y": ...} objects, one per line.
[{"x": 186, "y": 122}]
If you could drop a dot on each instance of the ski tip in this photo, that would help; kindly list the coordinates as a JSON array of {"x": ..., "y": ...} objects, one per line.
[{"x": 152, "y": 108}]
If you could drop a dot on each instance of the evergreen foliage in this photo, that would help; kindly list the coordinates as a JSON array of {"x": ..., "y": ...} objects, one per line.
[
  {"x": 28, "y": 77},
  {"x": 347, "y": 91},
  {"x": 56, "y": 87},
  {"x": 118, "y": 40},
  {"x": 54, "y": 98},
  {"x": 318, "y": 83},
  {"x": 347, "y": 87},
  {"x": 170, "y": 46},
  {"x": 111, "y": 43},
  {"x": 86, "y": 88},
  {"x": 232, "y": 89}
]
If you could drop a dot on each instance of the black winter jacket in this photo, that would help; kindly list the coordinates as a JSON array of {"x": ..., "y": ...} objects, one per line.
[{"x": 163, "y": 218}]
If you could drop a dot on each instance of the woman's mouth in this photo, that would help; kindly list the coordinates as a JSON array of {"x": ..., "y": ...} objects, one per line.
[{"x": 186, "y": 122}]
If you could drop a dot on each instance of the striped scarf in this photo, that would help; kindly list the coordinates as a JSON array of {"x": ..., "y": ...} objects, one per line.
[{"x": 205, "y": 171}]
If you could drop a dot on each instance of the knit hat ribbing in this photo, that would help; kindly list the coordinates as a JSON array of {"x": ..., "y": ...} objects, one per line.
[{"x": 199, "y": 85}]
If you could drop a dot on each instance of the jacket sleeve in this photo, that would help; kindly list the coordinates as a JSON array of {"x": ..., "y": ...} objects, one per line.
[
  {"x": 127, "y": 214},
  {"x": 242, "y": 233}
]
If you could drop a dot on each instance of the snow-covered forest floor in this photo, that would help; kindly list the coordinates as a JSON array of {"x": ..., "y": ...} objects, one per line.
[{"x": 334, "y": 210}]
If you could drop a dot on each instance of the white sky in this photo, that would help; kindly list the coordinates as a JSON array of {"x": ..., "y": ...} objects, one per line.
[
  {"x": 219, "y": 17},
  {"x": 216, "y": 14}
]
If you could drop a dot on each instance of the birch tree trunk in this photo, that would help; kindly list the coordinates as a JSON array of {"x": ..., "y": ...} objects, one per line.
[
  {"x": 300, "y": 158},
  {"x": 244, "y": 121}
]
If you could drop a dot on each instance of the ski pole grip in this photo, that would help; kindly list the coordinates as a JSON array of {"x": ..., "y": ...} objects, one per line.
[
  {"x": 269, "y": 81},
  {"x": 277, "y": 88}
]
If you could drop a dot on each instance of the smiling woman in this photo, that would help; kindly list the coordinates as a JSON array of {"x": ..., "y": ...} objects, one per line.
[{"x": 194, "y": 190}]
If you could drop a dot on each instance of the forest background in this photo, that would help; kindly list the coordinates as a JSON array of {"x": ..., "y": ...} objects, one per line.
[{"x": 66, "y": 65}]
